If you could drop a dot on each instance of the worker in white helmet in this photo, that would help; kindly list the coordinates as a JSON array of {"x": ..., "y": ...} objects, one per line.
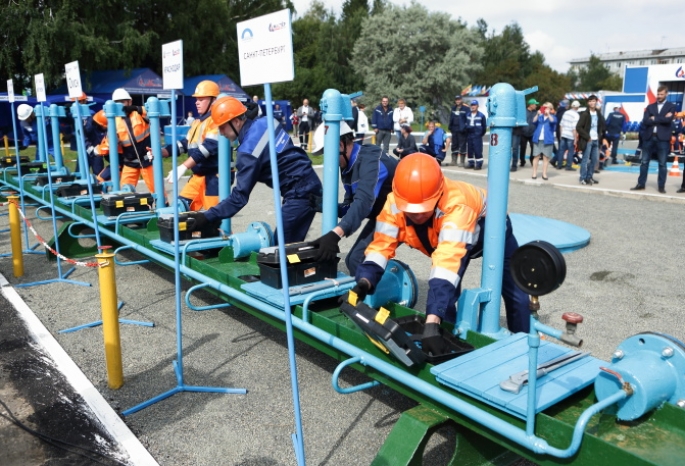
[{"x": 28, "y": 126}]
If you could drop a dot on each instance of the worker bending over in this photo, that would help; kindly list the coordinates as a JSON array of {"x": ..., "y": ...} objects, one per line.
[
  {"x": 298, "y": 181},
  {"x": 367, "y": 175},
  {"x": 444, "y": 219}
]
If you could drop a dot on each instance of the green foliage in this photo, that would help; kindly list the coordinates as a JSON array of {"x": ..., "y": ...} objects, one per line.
[
  {"x": 596, "y": 76},
  {"x": 411, "y": 53}
]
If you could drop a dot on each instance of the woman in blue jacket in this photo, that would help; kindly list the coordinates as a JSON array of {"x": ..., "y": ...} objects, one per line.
[{"x": 543, "y": 138}]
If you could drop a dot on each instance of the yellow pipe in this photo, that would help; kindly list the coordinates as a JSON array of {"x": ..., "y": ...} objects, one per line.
[
  {"x": 15, "y": 237},
  {"x": 7, "y": 145},
  {"x": 61, "y": 143},
  {"x": 110, "y": 320}
]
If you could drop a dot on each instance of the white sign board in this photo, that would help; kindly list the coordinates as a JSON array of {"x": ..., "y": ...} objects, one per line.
[
  {"x": 265, "y": 49},
  {"x": 73, "y": 79},
  {"x": 40, "y": 88},
  {"x": 10, "y": 90},
  {"x": 172, "y": 65}
]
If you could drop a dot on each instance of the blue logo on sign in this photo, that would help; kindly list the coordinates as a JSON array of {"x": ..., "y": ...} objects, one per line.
[
  {"x": 680, "y": 73},
  {"x": 247, "y": 34}
]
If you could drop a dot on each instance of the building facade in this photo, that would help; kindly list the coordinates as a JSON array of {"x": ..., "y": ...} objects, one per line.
[{"x": 617, "y": 62}]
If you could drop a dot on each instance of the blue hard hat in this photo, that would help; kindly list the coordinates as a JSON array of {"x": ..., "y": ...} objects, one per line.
[{"x": 474, "y": 102}]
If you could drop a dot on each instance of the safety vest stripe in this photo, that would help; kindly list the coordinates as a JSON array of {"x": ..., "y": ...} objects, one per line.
[
  {"x": 444, "y": 274},
  {"x": 214, "y": 136},
  {"x": 377, "y": 258},
  {"x": 387, "y": 229},
  {"x": 457, "y": 236},
  {"x": 203, "y": 150},
  {"x": 394, "y": 209},
  {"x": 179, "y": 144},
  {"x": 259, "y": 148}
]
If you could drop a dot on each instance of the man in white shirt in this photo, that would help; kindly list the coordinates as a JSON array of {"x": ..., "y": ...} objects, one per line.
[
  {"x": 402, "y": 115},
  {"x": 569, "y": 136},
  {"x": 255, "y": 99},
  {"x": 306, "y": 116}
]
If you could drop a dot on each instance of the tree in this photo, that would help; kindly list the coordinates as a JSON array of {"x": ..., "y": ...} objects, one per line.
[
  {"x": 506, "y": 56},
  {"x": 428, "y": 57},
  {"x": 596, "y": 76},
  {"x": 552, "y": 85}
]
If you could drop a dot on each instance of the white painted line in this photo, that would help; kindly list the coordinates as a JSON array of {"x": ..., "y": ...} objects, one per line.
[{"x": 138, "y": 454}]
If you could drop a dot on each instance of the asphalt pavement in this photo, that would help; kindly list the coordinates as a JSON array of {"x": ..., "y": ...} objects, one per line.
[{"x": 625, "y": 281}]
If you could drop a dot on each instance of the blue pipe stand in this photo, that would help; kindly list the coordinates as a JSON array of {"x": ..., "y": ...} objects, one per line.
[
  {"x": 178, "y": 363},
  {"x": 225, "y": 167},
  {"x": 298, "y": 436},
  {"x": 61, "y": 278}
]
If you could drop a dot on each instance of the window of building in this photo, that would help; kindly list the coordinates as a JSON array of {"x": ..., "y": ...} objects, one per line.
[
  {"x": 642, "y": 62},
  {"x": 679, "y": 60},
  {"x": 653, "y": 62}
]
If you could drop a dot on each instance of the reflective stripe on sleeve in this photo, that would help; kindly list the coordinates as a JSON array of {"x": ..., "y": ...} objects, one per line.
[
  {"x": 457, "y": 236},
  {"x": 203, "y": 150},
  {"x": 444, "y": 274},
  {"x": 377, "y": 258},
  {"x": 259, "y": 148},
  {"x": 387, "y": 229}
]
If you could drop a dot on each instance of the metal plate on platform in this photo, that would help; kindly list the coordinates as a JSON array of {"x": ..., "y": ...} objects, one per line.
[
  {"x": 565, "y": 236},
  {"x": 274, "y": 296},
  {"x": 201, "y": 245},
  {"x": 80, "y": 200},
  {"x": 479, "y": 373},
  {"x": 129, "y": 218}
]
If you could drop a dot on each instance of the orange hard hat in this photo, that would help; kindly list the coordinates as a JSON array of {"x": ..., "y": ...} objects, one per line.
[
  {"x": 225, "y": 109},
  {"x": 100, "y": 118},
  {"x": 418, "y": 183},
  {"x": 207, "y": 89},
  {"x": 83, "y": 96}
]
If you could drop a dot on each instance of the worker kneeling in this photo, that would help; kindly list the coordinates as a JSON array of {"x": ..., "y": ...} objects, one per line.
[
  {"x": 367, "y": 175},
  {"x": 298, "y": 180},
  {"x": 445, "y": 220}
]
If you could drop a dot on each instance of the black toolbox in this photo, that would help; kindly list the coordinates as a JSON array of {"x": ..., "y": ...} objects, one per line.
[
  {"x": 42, "y": 180},
  {"x": 302, "y": 265},
  {"x": 114, "y": 205},
  {"x": 413, "y": 326},
  {"x": 165, "y": 224},
  {"x": 75, "y": 189},
  {"x": 383, "y": 331},
  {"x": 11, "y": 161}
]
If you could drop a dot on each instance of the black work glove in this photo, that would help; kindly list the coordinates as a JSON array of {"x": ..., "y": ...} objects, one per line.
[
  {"x": 432, "y": 342},
  {"x": 252, "y": 110},
  {"x": 328, "y": 246},
  {"x": 200, "y": 220},
  {"x": 362, "y": 288}
]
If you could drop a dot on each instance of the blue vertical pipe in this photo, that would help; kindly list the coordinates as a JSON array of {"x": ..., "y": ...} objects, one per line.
[
  {"x": 54, "y": 112},
  {"x": 225, "y": 177},
  {"x": 177, "y": 240},
  {"x": 502, "y": 109},
  {"x": 299, "y": 436},
  {"x": 110, "y": 108},
  {"x": 331, "y": 158},
  {"x": 76, "y": 113},
  {"x": 153, "y": 113},
  {"x": 84, "y": 166},
  {"x": 41, "y": 145}
]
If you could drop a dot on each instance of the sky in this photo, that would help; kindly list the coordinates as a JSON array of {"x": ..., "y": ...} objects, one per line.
[{"x": 563, "y": 30}]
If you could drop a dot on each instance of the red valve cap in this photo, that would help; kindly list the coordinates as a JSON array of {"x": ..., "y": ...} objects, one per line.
[{"x": 572, "y": 317}]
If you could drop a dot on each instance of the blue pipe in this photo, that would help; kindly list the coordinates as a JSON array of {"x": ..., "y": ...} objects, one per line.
[
  {"x": 357, "y": 388},
  {"x": 55, "y": 112},
  {"x": 298, "y": 436},
  {"x": 225, "y": 163},
  {"x": 331, "y": 158},
  {"x": 112, "y": 110},
  {"x": 497, "y": 425},
  {"x": 153, "y": 113},
  {"x": 502, "y": 109}
]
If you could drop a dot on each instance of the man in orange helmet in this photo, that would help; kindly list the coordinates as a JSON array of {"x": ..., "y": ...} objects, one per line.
[
  {"x": 443, "y": 219},
  {"x": 298, "y": 181},
  {"x": 202, "y": 146}
]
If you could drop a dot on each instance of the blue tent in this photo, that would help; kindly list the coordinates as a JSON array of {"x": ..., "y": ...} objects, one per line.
[{"x": 140, "y": 81}]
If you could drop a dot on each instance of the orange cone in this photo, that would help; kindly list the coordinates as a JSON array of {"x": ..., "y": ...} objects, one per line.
[{"x": 675, "y": 168}]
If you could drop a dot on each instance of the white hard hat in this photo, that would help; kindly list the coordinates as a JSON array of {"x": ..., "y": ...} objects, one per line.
[
  {"x": 121, "y": 94},
  {"x": 575, "y": 104},
  {"x": 24, "y": 111},
  {"x": 320, "y": 133}
]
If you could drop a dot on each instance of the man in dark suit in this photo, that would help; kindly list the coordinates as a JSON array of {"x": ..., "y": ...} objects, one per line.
[{"x": 656, "y": 137}]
